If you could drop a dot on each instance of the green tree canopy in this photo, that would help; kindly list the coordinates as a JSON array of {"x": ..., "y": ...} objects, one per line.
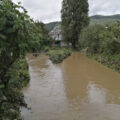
[
  {"x": 74, "y": 19},
  {"x": 18, "y": 35},
  {"x": 101, "y": 39}
]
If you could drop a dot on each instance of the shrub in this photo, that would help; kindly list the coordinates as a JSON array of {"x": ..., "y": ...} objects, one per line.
[
  {"x": 90, "y": 38},
  {"x": 101, "y": 39},
  {"x": 58, "y": 55},
  {"x": 18, "y": 78}
]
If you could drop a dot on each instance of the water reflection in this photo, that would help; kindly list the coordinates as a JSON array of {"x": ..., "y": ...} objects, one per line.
[
  {"x": 77, "y": 89},
  {"x": 96, "y": 95},
  {"x": 91, "y": 89}
]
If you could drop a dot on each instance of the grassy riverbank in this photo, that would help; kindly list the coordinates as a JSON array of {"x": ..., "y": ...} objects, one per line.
[
  {"x": 111, "y": 61},
  {"x": 13, "y": 99},
  {"x": 57, "y": 55},
  {"x": 102, "y": 43}
]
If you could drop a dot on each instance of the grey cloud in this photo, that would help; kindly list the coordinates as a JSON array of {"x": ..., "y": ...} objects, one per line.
[
  {"x": 49, "y": 10},
  {"x": 105, "y": 7}
]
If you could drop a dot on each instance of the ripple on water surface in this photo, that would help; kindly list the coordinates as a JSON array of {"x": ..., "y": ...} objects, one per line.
[{"x": 77, "y": 89}]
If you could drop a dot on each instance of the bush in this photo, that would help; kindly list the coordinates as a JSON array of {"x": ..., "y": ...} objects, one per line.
[
  {"x": 18, "y": 78},
  {"x": 90, "y": 38},
  {"x": 111, "y": 61},
  {"x": 58, "y": 55},
  {"x": 103, "y": 44},
  {"x": 101, "y": 39}
]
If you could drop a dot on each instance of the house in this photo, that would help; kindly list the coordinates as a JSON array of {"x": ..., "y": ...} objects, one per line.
[{"x": 56, "y": 34}]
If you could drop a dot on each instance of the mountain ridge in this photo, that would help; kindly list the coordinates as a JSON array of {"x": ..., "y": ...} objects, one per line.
[
  {"x": 96, "y": 19},
  {"x": 117, "y": 16}
]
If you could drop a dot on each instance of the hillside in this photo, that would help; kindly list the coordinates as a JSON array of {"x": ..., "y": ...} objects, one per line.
[
  {"x": 51, "y": 25},
  {"x": 105, "y": 17},
  {"x": 97, "y": 19},
  {"x": 100, "y": 19}
]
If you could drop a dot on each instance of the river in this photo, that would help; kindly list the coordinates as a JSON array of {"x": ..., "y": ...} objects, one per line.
[{"x": 77, "y": 89}]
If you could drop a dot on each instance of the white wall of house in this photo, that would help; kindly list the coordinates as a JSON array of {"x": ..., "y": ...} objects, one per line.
[{"x": 57, "y": 35}]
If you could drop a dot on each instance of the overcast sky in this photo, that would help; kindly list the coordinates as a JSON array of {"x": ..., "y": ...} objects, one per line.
[{"x": 49, "y": 10}]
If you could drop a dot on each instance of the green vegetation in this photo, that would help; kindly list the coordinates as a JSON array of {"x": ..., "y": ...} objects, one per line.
[
  {"x": 103, "y": 20},
  {"x": 111, "y": 61},
  {"x": 50, "y": 26},
  {"x": 44, "y": 39},
  {"x": 13, "y": 98},
  {"x": 57, "y": 55},
  {"x": 74, "y": 19},
  {"x": 103, "y": 44},
  {"x": 18, "y": 34},
  {"x": 15, "y": 37},
  {"x": 19, "y": 76}
]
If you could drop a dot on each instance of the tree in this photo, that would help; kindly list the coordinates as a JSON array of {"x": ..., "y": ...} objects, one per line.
[
  {"x": 18, "y": 34},
  {"x": 46, "y": 40},
  {"x": 90, "y": 38},
  {"x": 101, "y": 39},
  {"x": 74, "y": 19}
]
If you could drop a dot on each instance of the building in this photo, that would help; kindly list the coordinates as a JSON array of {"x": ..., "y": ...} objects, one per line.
[{"x": 56, "y": 34}]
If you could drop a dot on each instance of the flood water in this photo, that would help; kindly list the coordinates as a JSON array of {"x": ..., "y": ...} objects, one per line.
[{"x": 77, "y": 89}]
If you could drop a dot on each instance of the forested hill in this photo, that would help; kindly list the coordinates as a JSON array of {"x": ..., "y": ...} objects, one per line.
[
  {"x": 106, "y": 17},
  {"x": 97, "y": 19},
  {"x": 51, "y": 25}
]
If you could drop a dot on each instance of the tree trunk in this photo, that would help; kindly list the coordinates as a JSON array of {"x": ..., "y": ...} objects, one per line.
[{"x": 74, "y": 44}]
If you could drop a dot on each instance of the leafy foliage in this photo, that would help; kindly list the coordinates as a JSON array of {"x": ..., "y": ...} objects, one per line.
[
  {"x": 18, "y": 73},
  {"x": 14, "y": 35},
  {"x": 45, "y": 40},
  {"x": 111, "y": 61},
  {"x": 13, "y": 98},
  {"x": 59, "y": 54},
  {"x": 102, "y": 43},
  {"x": 18, "y": 34},
  {"x": 101, "y": 39},
  {"x": 74, "y": 19},
  {"x": 90, "y": 38}
]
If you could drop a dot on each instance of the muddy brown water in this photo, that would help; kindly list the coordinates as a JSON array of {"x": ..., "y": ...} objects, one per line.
[{"x": 77, "y": 89}]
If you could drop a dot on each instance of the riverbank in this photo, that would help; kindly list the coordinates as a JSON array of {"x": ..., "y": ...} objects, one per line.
[
  {"x": 13, "y": 99},
  {"x": 57, "y": 55},
  {"x": 102, "y": 43},
  {"x": 111, "y": 61}
]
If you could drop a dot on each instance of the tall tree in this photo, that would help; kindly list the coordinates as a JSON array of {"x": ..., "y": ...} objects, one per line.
[{"x": 74, "y": 19}]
